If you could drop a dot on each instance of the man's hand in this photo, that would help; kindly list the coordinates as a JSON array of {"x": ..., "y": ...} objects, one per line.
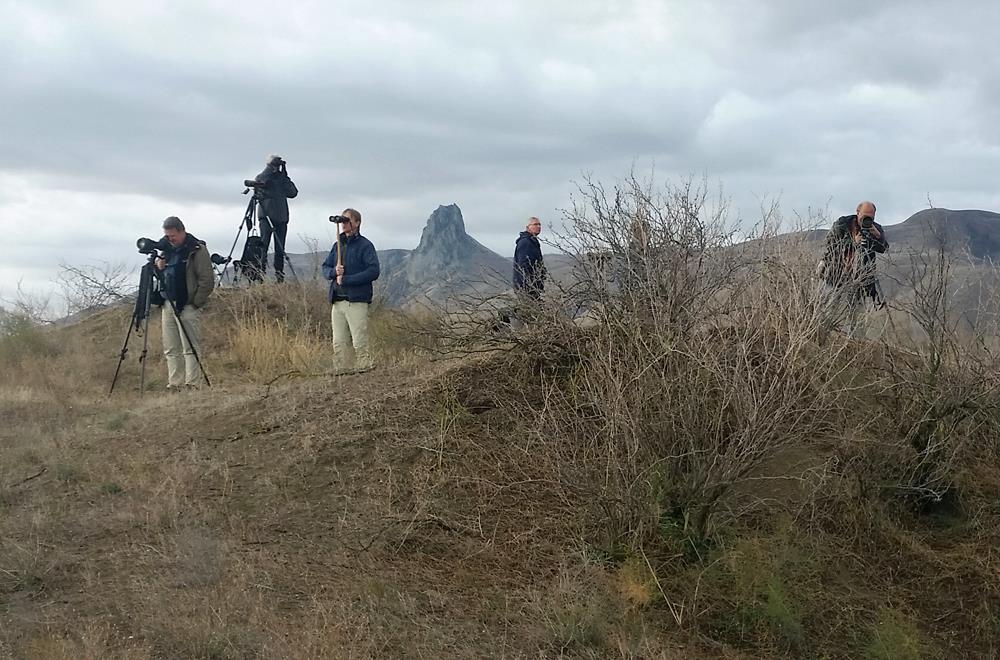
[
  {"x": 160, "y": 263},
  {"x": 874, "y": 232}
]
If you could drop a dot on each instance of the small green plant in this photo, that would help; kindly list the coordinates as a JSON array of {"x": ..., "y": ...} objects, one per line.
[
  {"x": 894, "y": 638},
  {"x": 781, "y": 614},
  {"x": 111, "y": 488},
  {"x": 676, "y": 531},
  {"x": 609, "y": 553},
  {"x": 577, "y": 624},
  {"x": 117, "y": 421},
  {"x": 68, "y": 474}
]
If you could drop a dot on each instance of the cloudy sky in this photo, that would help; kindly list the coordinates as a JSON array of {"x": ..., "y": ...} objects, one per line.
[{"x": 116, "y": 114}]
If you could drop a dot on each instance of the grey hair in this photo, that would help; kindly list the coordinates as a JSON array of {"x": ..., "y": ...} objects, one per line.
[
  {"x": 273, "y": 158},
  {"x": 173, "y": 222}
]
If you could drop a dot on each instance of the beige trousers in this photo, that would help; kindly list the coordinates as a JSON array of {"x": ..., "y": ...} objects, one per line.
[
  {"x": 182, "y": 366},
  {"x": 350, "y": 336}
]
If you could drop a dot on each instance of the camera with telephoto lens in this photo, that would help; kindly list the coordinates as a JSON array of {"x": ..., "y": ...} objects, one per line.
[
  {"x": 867, "y": 222},
  {"x": 149, "y": 246}
]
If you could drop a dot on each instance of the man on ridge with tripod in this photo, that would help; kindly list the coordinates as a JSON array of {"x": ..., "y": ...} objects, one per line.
[
  {"x": 187, "y": 281},
  {"x": 273, "y": 195}
]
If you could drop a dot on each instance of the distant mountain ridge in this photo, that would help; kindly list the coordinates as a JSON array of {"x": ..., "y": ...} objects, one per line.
[
  {"x": 448, "y": 261},
  {"x": 974, "y": 230}
]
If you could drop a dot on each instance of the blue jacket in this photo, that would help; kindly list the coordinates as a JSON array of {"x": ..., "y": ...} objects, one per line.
[
  {"x": 529, "y": 267},
  {"x": 360, "y": 269}
]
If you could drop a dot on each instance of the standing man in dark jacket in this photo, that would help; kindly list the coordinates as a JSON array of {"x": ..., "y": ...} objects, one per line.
[
  {"x": 351, "y": 267},
  {"x": 529, "y": 266},
  {"x": 849, "y": 277},
  {"x": 272, "y": 210},
  {"x": 187, "y": 281}
]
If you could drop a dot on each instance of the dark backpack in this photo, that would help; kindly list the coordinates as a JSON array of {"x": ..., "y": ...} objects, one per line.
[{"x": 254, "y": 258}]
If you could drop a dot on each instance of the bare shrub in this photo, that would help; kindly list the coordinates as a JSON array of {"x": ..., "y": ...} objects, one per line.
[
  {"x": 694, "y": 359},
  {"x": 941, "y": 370},
  {"x": 645, "y": 253},
  {"x": 34, "y": 306},
  {"x": 92, "y": 286}
]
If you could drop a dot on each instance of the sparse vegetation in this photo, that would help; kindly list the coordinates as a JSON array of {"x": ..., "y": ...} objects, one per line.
[{"x": 686, "y": 465}]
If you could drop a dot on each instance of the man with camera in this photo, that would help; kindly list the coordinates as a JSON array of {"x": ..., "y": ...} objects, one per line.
[
  {"x": 848, "y": 267},
  {"x": 351, "y": 267},
  {"x": 186, "y": 282},
  {"x": 273, "y": 190}
]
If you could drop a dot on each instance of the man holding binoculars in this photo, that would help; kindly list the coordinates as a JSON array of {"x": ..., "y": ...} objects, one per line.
[{"x": 351, "y": 267}]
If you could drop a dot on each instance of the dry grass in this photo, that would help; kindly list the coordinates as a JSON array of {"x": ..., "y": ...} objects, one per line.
[{"x": 659, "y": 484}]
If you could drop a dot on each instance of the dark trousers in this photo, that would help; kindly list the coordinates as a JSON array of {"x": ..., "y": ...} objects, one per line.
[{"x": 280, "y": 231}]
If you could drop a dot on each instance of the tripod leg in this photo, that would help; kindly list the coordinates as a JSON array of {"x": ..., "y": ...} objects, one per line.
[
  {"x": 142, "y": 356},
  {"x": 121, "y": 357},
  {"x": 139, "y": 311},
  {"x": 236, "y": 240}
]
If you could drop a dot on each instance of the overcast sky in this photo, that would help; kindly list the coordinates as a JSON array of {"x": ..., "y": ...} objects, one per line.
[{"x": 114, "y": 115}]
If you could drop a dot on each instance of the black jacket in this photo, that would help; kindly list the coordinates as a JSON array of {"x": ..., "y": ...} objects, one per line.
[
  {"x": 360, "y": 269},
  {"x": 529, "y": 266},
  {"x": 274, "y": 195},
  {"x": 842, "y": 252}
]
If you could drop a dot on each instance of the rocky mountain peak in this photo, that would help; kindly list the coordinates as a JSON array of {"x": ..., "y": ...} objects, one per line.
[
  {"x": 445, "y": 226},
  {"x": 444, "y": 241},
  {"x": 447, "y": 261}
]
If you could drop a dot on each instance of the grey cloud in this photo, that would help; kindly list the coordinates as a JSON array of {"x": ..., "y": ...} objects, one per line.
[{"x": 132, "y": 112}]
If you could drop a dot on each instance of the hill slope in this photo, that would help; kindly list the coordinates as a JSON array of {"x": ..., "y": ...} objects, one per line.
[{"x": 433, "y": 509}]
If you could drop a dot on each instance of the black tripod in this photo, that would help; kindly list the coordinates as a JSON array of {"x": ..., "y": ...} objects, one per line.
[
  {"x": 254, "y": 261},
  {"x": 149, "y": 285}
]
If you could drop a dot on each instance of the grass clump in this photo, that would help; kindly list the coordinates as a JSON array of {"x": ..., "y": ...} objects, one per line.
[
  {"x": 894, "y": 637},
  {"x": 22, "y": 339}
]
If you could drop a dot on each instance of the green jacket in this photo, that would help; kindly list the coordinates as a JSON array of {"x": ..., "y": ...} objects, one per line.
[{"x": 199, "y": 275}]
